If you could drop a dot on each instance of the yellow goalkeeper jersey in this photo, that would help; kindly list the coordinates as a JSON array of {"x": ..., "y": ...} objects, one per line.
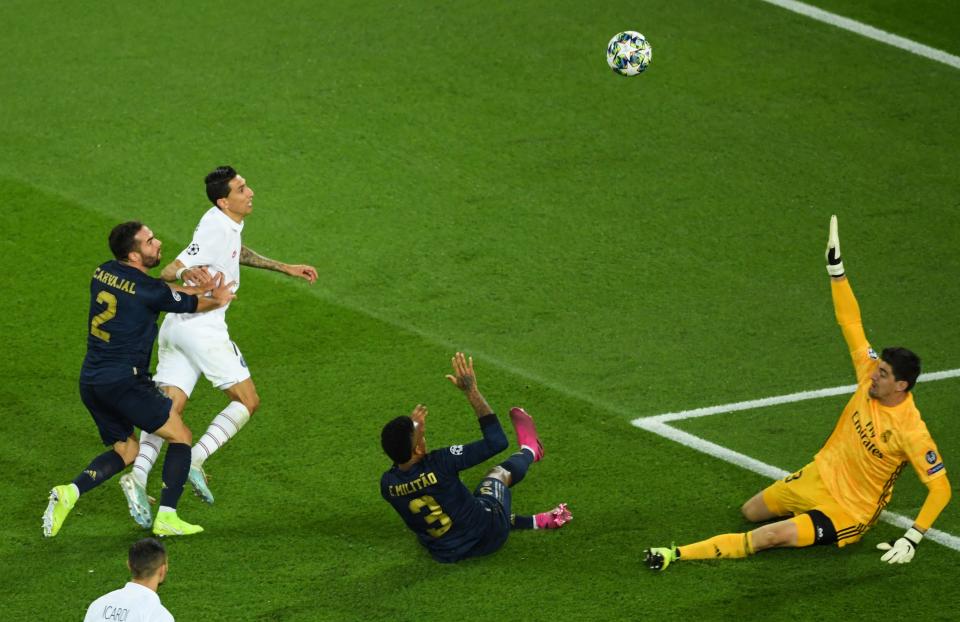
[{"x": 871, "y": 443}]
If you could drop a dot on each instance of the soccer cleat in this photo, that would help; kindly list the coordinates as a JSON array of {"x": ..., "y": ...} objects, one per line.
[
  {"x": 554, "y": 519},
  {"x": 137, "y": 500},
  {"x": 198, "y": 479},
  {"x": 169, "y": 524},
  {"x": 526, "y": 432},
  {"x": 659, "y": 558},
  {"x": 62, "y": 500}
]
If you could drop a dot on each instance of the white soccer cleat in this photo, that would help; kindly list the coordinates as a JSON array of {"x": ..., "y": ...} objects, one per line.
[
  {"x": 137, "y": 500},
  {"x": 198, "y": 479}
]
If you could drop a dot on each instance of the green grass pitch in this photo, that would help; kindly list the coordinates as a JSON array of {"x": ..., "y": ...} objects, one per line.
[{"x": 471, "y": 176}]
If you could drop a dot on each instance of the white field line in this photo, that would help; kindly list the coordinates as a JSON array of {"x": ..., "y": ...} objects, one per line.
[
  {"x": 657, "y": 425},
  {"x": 780, "y": 399},
  {"x": 868, "y": 31}
]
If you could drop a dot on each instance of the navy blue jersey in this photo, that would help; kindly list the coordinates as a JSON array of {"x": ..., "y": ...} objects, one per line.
[
  {"x": 122, "y": 326},
  {"x": 448, "y": 520}
]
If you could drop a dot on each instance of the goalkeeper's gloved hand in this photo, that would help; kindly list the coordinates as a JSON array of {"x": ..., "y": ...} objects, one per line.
[
  {"x": 834, "y": 265},
  {"x": 901, "y": 550}
]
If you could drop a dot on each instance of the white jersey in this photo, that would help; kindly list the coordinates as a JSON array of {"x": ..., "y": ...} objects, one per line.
[
  {"x": 132, "y": 603},
  {"x": 216, "y": 243}
]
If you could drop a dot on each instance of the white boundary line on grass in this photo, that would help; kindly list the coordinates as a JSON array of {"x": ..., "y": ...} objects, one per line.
[
  {"x": 657, "y": 425},
  {"x": 867, "y": 31}
]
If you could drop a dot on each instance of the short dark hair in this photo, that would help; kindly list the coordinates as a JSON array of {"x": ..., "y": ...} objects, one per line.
[
  {"x": 905, "y": 364},
  {"x": 397, "y": 439},
  {"x": 122, "y": 241},
  {"x": 145, "y": 557},
  {"x": 218, "y": 183}
]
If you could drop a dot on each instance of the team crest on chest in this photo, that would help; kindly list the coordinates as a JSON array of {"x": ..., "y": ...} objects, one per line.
[{"x": 885, "y": 437}]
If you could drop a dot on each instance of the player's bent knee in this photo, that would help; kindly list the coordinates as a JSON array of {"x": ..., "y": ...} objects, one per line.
[
  {"x": 127, "y": 450},
  {"x": 755, "y": 510},
  {"x": 501, "y": 474},
  {"x": 175, "y": 430}
]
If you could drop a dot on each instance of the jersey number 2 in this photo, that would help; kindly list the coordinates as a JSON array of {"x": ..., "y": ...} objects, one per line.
[
  {"x": 436, "y": 515},
  {"x": 111, "y": 301}
]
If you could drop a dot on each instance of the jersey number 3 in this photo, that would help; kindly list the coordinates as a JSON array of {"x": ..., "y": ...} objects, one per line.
[
  {"x": 105, "y": 316},
  {"x": 436, "y": 515}
]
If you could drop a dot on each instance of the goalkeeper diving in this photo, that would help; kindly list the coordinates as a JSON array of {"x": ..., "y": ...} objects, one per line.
[{"x": 838, "y": 496}]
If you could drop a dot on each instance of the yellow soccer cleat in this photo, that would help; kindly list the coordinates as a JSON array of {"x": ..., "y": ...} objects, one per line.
[
  {"x": 169, "y": 524},
  {"x": 62, "y": 500},
  {"x": 660, "y": 557}
]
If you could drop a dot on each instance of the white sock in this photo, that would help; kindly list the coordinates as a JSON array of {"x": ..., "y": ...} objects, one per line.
[
  {"x": 150, "y": 445},
  {"x": 164, "y": 508},
  {"x": 223, "y": 427}
]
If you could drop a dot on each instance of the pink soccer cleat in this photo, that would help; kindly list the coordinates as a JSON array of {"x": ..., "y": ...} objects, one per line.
[
  {"x": 554, "y": 519},
  {"x": 526, "y": 432}
]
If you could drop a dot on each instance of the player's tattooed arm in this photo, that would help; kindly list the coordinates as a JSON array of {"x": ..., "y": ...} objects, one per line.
[
  {"x": 250, "y": 258},
  {"x": 465, "y": 379}
]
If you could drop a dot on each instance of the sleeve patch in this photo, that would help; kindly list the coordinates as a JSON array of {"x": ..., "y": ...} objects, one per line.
[
  {"x": 176, "y": 295},
  {"x": 456, "y": 450},
  {"x": 931, "y": 457},
  {"x": 194, "y": 248},
  {"x": 935, "y": 469},
  {"x": 872, "y": 353}
]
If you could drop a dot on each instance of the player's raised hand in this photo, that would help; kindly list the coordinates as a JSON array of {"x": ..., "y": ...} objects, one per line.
[
  {"x": 834, "y": 264},
  {"x": 463, "y": 376},
  {"x": 307, "y": 273},
  {"x": 419, "y": 415}
]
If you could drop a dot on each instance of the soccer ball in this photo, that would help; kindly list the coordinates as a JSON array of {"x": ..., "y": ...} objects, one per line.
[{"x": 629, "y": 53}]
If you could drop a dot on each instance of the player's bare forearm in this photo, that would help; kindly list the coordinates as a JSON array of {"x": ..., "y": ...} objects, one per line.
[
  {"x": 169, "y": 272},
  {"x": 256, "y": 260},
  {"x": 479, "y": 403}
]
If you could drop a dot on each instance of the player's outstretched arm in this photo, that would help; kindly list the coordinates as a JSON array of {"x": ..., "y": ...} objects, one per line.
[
  {"x": 465, "y": 379},
  {"x": 901, "y": 550},
  {"x": 250, "y": 258}
]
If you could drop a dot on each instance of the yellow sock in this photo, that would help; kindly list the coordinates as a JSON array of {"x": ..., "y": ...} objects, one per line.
[{"x": 727, "y": 546}]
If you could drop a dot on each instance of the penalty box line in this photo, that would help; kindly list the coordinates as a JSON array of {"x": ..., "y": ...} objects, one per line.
[{"x": 658, "y": 425}]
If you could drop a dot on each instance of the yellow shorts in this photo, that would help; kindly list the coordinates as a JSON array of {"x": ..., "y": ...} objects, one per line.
[{"x": 804, "y": 493}]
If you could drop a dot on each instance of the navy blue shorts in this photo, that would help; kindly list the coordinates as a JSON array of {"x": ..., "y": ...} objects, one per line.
[
  {"x": 116, "y": 408},
  {"x": 494, "y": 496}
]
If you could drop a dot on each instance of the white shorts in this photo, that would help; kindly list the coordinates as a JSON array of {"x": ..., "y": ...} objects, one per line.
[{"x": 186, "y": 351}]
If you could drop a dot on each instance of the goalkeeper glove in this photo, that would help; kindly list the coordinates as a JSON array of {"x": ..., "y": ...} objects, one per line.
[
  {"x": 834, "y": 265},
  {"x": 901, "y": 550}
]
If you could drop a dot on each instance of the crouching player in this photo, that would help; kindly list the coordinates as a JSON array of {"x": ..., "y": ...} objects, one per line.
[{"x": 426, "y": 491}]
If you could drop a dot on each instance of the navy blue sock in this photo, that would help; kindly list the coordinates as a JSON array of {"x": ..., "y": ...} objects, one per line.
[
  {"x": 518, "y": 521},
  {"x": 101, "y": 468},
  {"x": 176, "y": 467},
  {"x": 518, "y": 464}
]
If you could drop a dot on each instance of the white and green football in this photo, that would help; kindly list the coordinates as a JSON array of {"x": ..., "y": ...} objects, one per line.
[{"x": 629, "y": 53}]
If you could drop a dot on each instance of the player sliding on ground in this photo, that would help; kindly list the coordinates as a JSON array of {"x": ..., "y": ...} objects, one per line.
[
  {"x": 836, "y": 498},
  {"x": 426, "y": 491}
]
